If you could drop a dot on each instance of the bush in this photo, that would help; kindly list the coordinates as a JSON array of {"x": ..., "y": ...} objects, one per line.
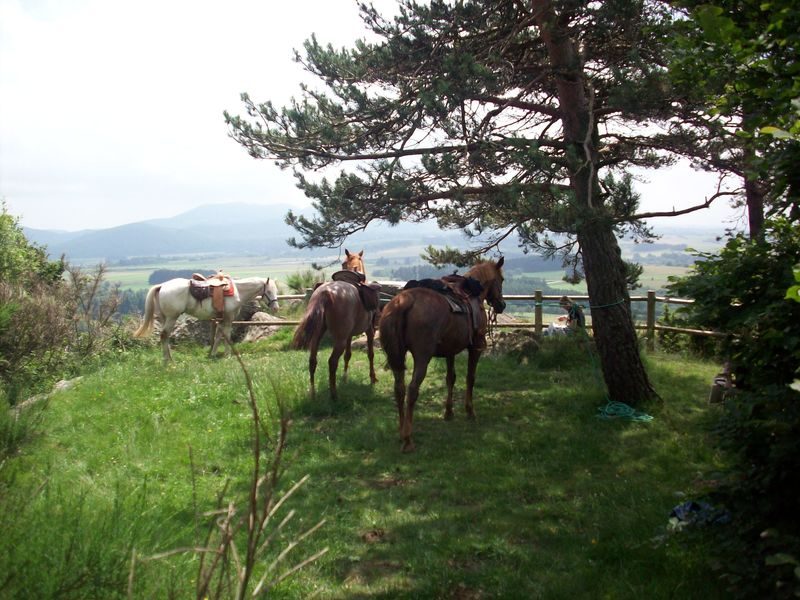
[
  {"x": 301, "y": 281},
  {"x": 743, "y": 291},
  {"x": 35, "y": 326}
]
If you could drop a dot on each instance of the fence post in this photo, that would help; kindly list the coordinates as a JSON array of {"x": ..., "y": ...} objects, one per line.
[
  {"x": 537, "y": 312},
  {"x": 651, "y": 320}
]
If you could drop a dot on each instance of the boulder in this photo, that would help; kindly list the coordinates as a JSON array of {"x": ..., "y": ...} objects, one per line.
[{"x": 260, "y": 332}]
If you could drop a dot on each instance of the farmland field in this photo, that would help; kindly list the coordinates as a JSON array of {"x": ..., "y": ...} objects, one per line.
[{"x": 136, "y": 277}]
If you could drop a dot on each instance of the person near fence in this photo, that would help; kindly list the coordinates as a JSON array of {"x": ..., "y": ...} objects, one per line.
[{"x": 574, "y": 320}]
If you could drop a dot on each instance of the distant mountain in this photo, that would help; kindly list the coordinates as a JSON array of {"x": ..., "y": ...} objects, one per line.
[
  {"x": 260, "y": 230},
  {"x": 220, "y": 229}
]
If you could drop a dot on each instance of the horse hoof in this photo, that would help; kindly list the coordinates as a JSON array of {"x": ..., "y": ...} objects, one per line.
[
  {"x": 408, "y": 447},
  {"x": 448, "y": 415}
]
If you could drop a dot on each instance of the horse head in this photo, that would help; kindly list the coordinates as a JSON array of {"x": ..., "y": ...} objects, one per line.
[
  {"x": 354, "y": 262},
  {"x": 490, "y": 275},
  {"x": 270, "y": 295}
]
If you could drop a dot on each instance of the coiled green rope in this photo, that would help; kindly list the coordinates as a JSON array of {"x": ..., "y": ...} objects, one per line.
[{"x": 620, "y": 410}]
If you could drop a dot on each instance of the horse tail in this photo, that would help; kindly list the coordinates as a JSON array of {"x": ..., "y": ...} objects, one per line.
[
  {"x": 149, "y": 312},
  {"x": 393, "y": 330},
  {"x": 313, "y": 322}
]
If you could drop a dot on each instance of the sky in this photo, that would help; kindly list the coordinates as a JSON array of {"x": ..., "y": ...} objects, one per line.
[{"x": 111, "y": 110}]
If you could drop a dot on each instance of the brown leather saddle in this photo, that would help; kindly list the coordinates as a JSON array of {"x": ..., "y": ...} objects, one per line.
[
  {"x": 215, "y": 287},
  {"x": 368, "y": 292},
  {"x": 463, "y": 296}
]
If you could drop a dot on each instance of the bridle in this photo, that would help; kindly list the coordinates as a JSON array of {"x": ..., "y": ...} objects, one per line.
[{"x": 264, "y": 294}]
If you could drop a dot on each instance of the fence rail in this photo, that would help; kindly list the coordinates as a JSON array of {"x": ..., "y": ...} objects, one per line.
[{"x": 538, "y": 298}]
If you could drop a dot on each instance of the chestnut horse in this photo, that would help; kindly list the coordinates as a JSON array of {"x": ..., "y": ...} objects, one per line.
[
  {"x": 335, "y": 307},
  {"x": 420, "y": 321}
]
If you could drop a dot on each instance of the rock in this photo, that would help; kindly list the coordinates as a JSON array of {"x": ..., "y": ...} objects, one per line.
[
  {"x": 520, "y": 342},
  {"x": 260, "y": 332}
]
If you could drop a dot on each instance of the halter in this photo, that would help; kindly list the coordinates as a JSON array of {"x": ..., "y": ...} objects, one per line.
[{"x": 265, "y": 295}]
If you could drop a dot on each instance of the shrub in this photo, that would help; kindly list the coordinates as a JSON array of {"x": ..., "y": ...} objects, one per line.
[
  {"x": 35, "y": 326},
  {"x": 743, "y": 291},
  {"x": 300, "y": 281},
  {"x": 96, "y": 304}
]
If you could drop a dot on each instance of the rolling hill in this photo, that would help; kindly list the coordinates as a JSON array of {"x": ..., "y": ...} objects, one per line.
[
  {"x": 239, "y": 229},
  {"x": 226, "y": 229}
]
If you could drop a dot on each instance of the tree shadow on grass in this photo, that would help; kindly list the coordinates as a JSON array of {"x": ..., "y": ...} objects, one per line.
[{"x": 535, "y": 498}]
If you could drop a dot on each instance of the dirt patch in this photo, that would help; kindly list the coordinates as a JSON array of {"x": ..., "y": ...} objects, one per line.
[
  {"x": 373, "y": 536},
  {"x": 388, "y": 482},
  {"x": 368, "y": 571},
  {"x": 462, "y": 592}
]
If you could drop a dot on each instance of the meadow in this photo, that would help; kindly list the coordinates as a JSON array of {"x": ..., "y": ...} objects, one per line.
[
  {"x": 654, "y": 277},
  {"x": 536, "y": 498}
]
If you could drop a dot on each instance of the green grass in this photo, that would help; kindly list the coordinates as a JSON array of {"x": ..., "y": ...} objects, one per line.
[{"x": 537, "y": 498}]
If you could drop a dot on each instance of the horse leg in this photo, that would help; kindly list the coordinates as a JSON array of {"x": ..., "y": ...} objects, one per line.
[
  {"x": 227, "y": 330},
  {"x": 312, "y": 364},
  {"x": 347, "y": 354},
  {"x": 214, "y": 337},
  {"x": 472, "y": 363},
  {"x": 451, "y": 381},
  {"x": 371, "y": 354},
  {"x": 166, "y": 330},
  {"x": 400, "y": 396},
  {"x": 420, "y": 370},
  {"x": 333, "y": 364}
]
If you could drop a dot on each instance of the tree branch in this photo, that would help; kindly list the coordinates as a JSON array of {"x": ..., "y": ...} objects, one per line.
[
  {"x": 676, "y": 213},
  {"x": 516, "y": 103}
]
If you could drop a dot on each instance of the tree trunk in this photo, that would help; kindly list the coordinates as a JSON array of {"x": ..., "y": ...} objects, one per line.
[
  {"x": 614, "y": 333},
  {"x": 754, "y": 195},
  {"x": 753, "y": 189}
]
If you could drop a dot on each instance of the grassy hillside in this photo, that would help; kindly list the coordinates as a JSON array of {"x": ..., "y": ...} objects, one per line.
[{"x": 538, "y": 498}]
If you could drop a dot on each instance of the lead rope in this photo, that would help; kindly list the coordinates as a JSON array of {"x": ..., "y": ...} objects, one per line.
[{"x": 491, "y": 322}]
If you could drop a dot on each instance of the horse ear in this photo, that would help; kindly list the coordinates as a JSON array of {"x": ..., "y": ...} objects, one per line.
[
  {"x": 346, "y": 252},
  {"x": 501, "y": 261},
  {"x": 361, "y": 254}
]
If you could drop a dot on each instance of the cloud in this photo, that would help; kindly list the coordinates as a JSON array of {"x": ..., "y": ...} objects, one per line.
[{"x": 111, "y": 110}]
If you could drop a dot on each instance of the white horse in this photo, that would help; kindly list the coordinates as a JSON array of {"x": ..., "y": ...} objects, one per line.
[{"x": 169, "y": 300}]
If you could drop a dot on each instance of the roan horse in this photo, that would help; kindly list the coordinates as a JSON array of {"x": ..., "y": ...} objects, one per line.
[
  {"x": 336, "y": 307},
  {"x": 169, "y": 300},
  {"x": 420, "y": 321}
]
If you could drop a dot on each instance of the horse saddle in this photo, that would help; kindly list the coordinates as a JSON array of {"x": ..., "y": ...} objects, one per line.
[
  {"x": 456, "y": 289},
  {"x": 217, "y": 287},
  {"x": 462, "y": 294},
  {"x": 368, "y": 292}
]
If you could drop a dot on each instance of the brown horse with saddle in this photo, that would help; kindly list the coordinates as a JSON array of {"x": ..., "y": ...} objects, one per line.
[
  {"x": 438, "y": 318},
  {"x": 343, "y": 308}
]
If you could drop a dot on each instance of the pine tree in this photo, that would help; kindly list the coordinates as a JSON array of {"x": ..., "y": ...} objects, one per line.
[{"x": 496, "y": 117}]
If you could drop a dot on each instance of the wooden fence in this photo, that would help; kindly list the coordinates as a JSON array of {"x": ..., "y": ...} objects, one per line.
[{"x": 539, "y": 299}]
